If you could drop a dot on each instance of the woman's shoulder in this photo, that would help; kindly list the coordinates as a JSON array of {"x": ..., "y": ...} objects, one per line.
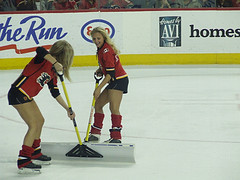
[{"x": 107, "y": 47}]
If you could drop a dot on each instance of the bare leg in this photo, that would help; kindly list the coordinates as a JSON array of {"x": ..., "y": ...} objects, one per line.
[
  {"x": 115, "y": 98},
  {"x": 31, "y": 114},
  {"x": 101, "y": 101}
]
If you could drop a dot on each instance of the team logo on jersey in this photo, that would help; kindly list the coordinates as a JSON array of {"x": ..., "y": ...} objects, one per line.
[
  {"x": 170, "y": 31},
  {"x": 43, "y": 79},
  {"x": 105, "y": 50},
  {"x": 25, "y": 98}
]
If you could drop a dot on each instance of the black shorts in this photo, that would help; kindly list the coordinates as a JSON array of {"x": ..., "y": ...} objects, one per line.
[
  {"x": 17, "y": 97},
  {"x": 119, "y": 84}
]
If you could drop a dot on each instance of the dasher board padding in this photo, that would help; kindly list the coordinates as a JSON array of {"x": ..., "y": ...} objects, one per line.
[{"x": 112, "y": 152}]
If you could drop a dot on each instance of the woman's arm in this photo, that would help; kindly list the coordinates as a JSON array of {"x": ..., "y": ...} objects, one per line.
[
  {"x": 65, "y": 106},
  {"x": 55, "y": 63},
  {"x": 97, "y": 91}
]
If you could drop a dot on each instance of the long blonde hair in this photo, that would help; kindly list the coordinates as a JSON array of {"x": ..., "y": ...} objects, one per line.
[
  {"x": 64, "y": 53},
  {"x": 105, "y": 37}
]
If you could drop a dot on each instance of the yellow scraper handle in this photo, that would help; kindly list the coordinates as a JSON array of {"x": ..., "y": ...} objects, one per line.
[
  {"x": 92, "y": 108},
  {"x": 70, "y": 107}
]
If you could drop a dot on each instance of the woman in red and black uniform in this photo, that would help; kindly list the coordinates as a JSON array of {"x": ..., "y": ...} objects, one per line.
[
  {"x": 35, "y": 75},
  {"x": 117, "y": 79}
]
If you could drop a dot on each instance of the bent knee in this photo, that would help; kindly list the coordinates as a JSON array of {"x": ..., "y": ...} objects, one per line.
[
  {"x": 98, "y": 106},
  {"x": 41, "y": 121},
  {"x": 33, "y": 126},
  {"x": 36, "y": 123},
  {"x": 114, "y": 110}
]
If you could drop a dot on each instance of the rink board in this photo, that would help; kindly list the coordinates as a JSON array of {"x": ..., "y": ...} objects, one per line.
[{"x": 112, "y": 152}]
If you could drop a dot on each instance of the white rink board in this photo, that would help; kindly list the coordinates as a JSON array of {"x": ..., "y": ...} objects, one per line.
[{"x": 133, "y": 32}]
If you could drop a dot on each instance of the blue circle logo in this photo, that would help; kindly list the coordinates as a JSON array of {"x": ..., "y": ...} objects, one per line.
[{"x": 87, "y": 28}]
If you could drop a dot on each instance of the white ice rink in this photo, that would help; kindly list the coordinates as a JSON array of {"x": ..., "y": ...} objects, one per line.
[{"x": 184, "y": 121}]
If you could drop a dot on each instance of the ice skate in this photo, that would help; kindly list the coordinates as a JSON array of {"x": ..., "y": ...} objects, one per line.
[
  {"x": 24, "y": 163},
  {"x": 31, "y": 168},
  {"x": 111, "y": 140},
  {"x": 115, "y": 133},
  {"x": 37, "y": 157},
  {"x": 94, "y": 138},
  {"x": 42, "y": 160}
]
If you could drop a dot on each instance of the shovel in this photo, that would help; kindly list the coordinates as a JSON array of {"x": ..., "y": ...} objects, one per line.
[{"x": 80, "y": 150}]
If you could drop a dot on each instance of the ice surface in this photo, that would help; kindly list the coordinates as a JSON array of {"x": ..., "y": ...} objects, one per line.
[{"x": 184, "y": 121}]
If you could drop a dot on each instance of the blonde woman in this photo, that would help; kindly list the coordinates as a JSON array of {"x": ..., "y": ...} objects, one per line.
[
  {"x": 38, "y": 72},
  {"x": 117, "y": 80}
]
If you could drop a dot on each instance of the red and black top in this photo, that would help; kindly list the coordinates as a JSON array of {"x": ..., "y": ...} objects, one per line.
[
  {"x": 109, "y": 62},
  {"x": 36, "y": 74}
]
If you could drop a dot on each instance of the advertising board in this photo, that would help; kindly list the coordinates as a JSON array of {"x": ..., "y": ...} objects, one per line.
[{"x": 143, "y": 37}]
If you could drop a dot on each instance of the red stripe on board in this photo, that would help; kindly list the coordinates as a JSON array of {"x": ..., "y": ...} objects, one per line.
[
  {"x": 121, "y": 10},
  {"x": 21, "y": 51}
]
